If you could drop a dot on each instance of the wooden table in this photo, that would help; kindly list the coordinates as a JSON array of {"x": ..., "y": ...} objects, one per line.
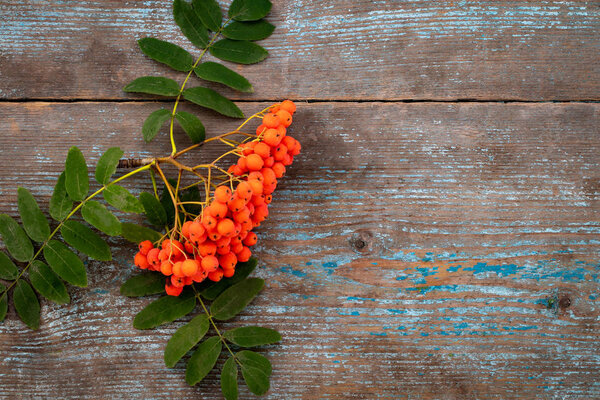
[{"x": 438, "y": 238}]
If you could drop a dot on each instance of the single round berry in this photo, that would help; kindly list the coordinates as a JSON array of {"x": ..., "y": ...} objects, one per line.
[
  {"x": 207, "y": 249},
  {"x": 271, "y": 120},
  {"x": 141, "y": 261},
  {"x": 244, "y": 255},
  {"x": 284, "y": 117},
  {"x": 288, "y": 105},
  {"x": 177, "y": 271},
  {"x": 272, "y": 137},
  {"x": 216, "y": 275},
  {"x": 228, "y": 261},
  {"x": 254, "y": 162},
  {"x": 177, "y": 281},
  {"x": 251, "y": 239},
  {"x": 228, "y": 273},
  {"x": 172, "y": 290},
  {"x": 279, "y": 169},
  {"x": 153, "y": 257},
  {"x": 189, "y": 267},
  {"x": 166, "y": 268},
  {"x": 223, "y": 194},
  {"x": 218, "y": 209},
  {"x": 185, "y": 229},
  {"x": 210, "y": 263},
  {"x": 262, "y": 149},
  {"x": 145, "y": 247},
  {"x": 226, "y": 227}
]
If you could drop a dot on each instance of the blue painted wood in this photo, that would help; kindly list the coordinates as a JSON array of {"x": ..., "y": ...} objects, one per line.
[
  {"x": 332, "y": 49},
  {"x": 425, "y": 250}
]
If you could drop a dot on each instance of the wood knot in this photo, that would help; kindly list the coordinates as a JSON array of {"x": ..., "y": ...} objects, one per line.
[
  {"x": 362, "y": 241},
  {"x": 564, "y": 302}
]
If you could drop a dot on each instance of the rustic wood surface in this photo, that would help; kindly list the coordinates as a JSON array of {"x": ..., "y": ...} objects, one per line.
[{"x": 429, "y": 250}]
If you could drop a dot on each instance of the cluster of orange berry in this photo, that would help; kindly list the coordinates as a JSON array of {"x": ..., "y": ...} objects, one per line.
[{"x": 211, "y": 245}]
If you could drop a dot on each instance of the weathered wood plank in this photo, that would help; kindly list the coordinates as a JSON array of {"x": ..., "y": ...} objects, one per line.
[
  {"x": 532, "y": 50},
  {"x": 414, "y": 250}
]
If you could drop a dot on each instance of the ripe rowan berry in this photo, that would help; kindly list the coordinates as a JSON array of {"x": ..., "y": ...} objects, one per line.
[
  {"x": 177, "y": 281},
  {"x": 222, "y": 194},
  {"x": 241, "y": 215},
  {"x": 268, "y": 199},
  {"x": 152, "y": 257},
  {"x": 228, "y": 273},
  {"x": 145, "y": 247},
  {"x": 214, "y": 235},
  {"x": 268, "y": 189},
  {"x": 257, "y": 187},
  {"x": 189, "y": 247},
  {"x": 210, "y": 263},
  {"x": 224, "y": 241},
  {"x": 272, "y": 137},
  {"x": 141, "y": 261},
  {"x": 226, "y": 227},
  {"x": 189, "y": 267},
  {"x": 195, "y": 230},
  {"x": 163, "y": 255},
  {"x": 185, "y": 229},
  {"x": 251, "y": 239},
  {"x": 247, "y": 225},
  {"x": 172, "y": 290},
  {"x": 284, "y": 117},
  {"x": 274, "y": 108},
  {"x": 218, "y": 209},
  {"x": 289, "y": 106},
  {"x": 269, "y": 161},
  {"x": 223, "y": 250},
  {"x": 166, "y": 267},
  {"x": 258, "y": 200},
  {"x": 262, "y": 149},
  {"x": 173, "y": 247},
  {"x": 207, "y": 249},
  {"x": 236, "y": 170},
  {"x": 177, "y": 271},
  {"x": 216, "y": 275},
  {"x": 237, "y": 248},
  {"x": 254, "y": 162},
  {"x": 287, "y": 159},
  {"x": 238, "y": 204},
  {"x": 200, "y": 275},
  {"x": 268, "y": 176},
  {"x": 209, "y": 221},
  {"x": 261, "y": 129},
  {"x": 279, "y": 169},
  {"x": 244, "y": 255},
  {"x": 280, "y": 152},
  {"x": 243, "y": 191},
  {"x": 228, "y": 261},
  {"x": 271, "y": 120},
  {"x": 281, "y": 129}
]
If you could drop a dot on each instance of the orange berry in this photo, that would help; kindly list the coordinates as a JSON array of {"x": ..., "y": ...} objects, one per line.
[
  {"x": 261, "y": 129},
  {"x": 268, "y": 199},
  {"x": 289, "y": 142},
  {"x": 271, "y": 120},
  {"x": 200, "y": 275},
  {"x": 189, "y": 247},
  {"x": 185, "y": 229},
  {"x": 238, "y": 204},
  {"x": 207, "y": 249},
  {"x": 281, "y": 129},
  {"x": 275, "y": 108},
  {"x": 225, "y": 227},
  {"x": 244, "y": 255},
  {"x": 189, "y": 267},
  {"x": 269, "y": 162},
  {"x": 279, "y": 169},
  {"x": 145, "y": 247},
  {"x": 196, "y": 230},
  {"x": 166, "y": 268},
  {"x": 247, "y": 225},
  {"x": 172, "y": 290},
  {"x": 216, "y": 275},
  {"x": 210, "y": 263},
  {"x": 251, "y": 239},
  {"x": 224, "y": 241},
  {"x": 209, "y": 221},
  {"x": 272, "y": 137},
  {"x": 141, "y": 261},
  {"x": 223, "y": 194},
  {"x": 280, "y": 153},
  {"x": 236, "y": 170},
  {"x": 256, "y": 175},
  {"x": 177, "y": 281},
  {"x": 242, "y": 215},
  {"x": 163, "y": 255},
  {"x": 287, "y": 159},
  {"x": 296, "y": 149},
  {"x": 262, "y": 149},
  {"x": 152, "y": 257},
  {"x": 243, "y": 191},
  {"x": 237, "y": 248},
  {"x": 247, "y": 148},
  {"x": 228, "y": 273},
  {"x": 284, "y": 117},
  {"x": 242, "y": 164},
  {"x": 257, "y": 200},
  {"x": 214, "y": 235},
  {"x": 177, "y": 271},
  {"x": 228, "y": 261},
  {"x": 268, "y": 189},
  {"x": 173, "y": 247},
  {"x": 268, "y": 176},
  {"x": 223, "y": 250},
  {"x": 218, "y": 209},
  {"x": 254, "y": 162},
  {"x": 257, "y": 187},
  {"x": 289, "y": 106}
]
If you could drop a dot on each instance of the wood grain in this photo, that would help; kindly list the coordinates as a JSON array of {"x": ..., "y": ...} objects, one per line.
[
  {"x": 424, "y": 250},
  {"x": 332, "y": 49}
]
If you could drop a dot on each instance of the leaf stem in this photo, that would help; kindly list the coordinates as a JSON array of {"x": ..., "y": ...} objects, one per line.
[{"x": 73, "y": 211}]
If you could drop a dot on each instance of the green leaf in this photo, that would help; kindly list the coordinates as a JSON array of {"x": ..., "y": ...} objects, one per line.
[
  {"x": 189, "y": 23},
  {"x": 3, "y": 302},
  {"x": 256, "y": 370},
  {"x": 16, "y": 241},
  {"x": 252, "y": 336},
  {"x": 215, "y": 72},
  {"x": 27, "y": 304},
  {"x": 209, "y": 13},
  {"x": 97, "y": 215},
  {"x": 76, "y": 178},
  {"x": 242, "y": 271},
  {"x": 257, "y": 30},
  {"x": 164, "y": 310},
  {"x": 236, "y": 298},
  {"x": 153, "y": 85},
  {"x": 107, "y": 164},
  {"x": 184, "y": 339},
  {"x": 8, "y": 269},
  {"x": 167, "y": 53},
  {"x": 136, "y": 233},
  {"x": 34, "y": 220},
  {"x": 153, "y": 123},
  {"x": 144, "y": 284},
  {"x": 60, "y": 203},
  {"x": 85, "y": 240},
  {"x": 47, "y": 283},
  {"x": 65, "y": 263},
  {"x": 191, "y": 194},
  {"x": 238, "y": 51},
  {"x": 191, "y": 125},
  {"x": 203, "y": 360},
  {"x": 249, "y": 10},
  {"x": 210, "y": 99},
  {"x": 229, "y": 374},
  {"x": 120, "y": 198},
  {"x": 153, "y": 209}
]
